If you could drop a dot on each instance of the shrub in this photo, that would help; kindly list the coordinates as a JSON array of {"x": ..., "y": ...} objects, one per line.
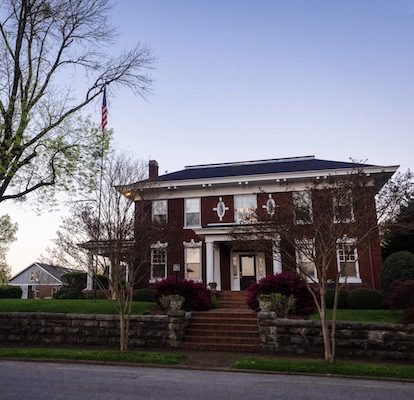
[
  {"x": 398, "y": 266},
  {"x": 365, "y": 299},
  {"x": 145, "y": 294},
  {"x": 342, "y": 298},
  {"x": 401, "y": 296},
  {"x": 197, "y": 296},
  {"x": 100, "y": 295},
  {"x": 282, "y": 305},
  {"x": 287, "y": 283},
  {"x": 10, "y": 292},
  {"x": 75, "y": 280}
]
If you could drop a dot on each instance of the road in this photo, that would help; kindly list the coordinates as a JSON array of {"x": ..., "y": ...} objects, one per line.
[{"x": 34, "y": 380}]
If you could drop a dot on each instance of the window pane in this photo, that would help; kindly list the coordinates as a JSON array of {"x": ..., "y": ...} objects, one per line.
[
  {"x": 159, "y": 210},
  {"x": 348, "y": 269},
  {"x": 192, "y": 212},
  {"x": 244, "y": 208},
  {"x": 193, "y": 264},
  {"x": 302, "y": 203},
  {"x": 158, "y": 263},
  {"x": 192, "y": 205}
]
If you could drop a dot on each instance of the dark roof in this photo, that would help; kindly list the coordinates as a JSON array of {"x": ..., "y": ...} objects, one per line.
[
  {"x": 54, "y": 270},
  {"x": 282, "y": 165}
]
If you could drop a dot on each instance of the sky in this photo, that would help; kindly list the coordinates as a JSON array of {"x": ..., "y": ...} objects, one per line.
[{"x": 247, "y": 79}]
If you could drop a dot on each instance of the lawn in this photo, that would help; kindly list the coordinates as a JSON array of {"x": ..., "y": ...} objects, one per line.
[
  {"x": 381, "y": 316},
  {"x": 93, "y": 355},
  {"x": 399, "y": 371},
  {"x": 70, "y": 306}
]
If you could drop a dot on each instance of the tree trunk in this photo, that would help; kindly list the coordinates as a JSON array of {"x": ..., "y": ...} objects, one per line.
[{"x": 325, "y": 330}]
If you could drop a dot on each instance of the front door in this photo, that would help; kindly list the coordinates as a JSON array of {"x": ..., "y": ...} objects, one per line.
[{"x": 247, "y": 271}]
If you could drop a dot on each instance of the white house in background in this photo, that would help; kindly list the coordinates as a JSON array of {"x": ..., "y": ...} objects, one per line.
[{"x": 39, "y": 280}]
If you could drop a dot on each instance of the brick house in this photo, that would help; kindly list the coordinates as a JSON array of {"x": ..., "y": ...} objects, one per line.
[
  {"x": 39, "y": 280},
  {"x": 205, "y": 201}
]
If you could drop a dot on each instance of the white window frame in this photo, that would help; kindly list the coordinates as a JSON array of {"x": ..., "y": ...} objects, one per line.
[
  {"x": 298, "y": 254},
  {"x": 237, "y": 214},
  {"x": 193, "y": 245},
  {"x": 154, "y": 216},
  {"x": 348, "y": 279},
  {"x": 158, "y": 246},
  {"x": 335, "y": 202},
  {"x": 185, "y": 213},
  {"x": 302, "y": 198}
]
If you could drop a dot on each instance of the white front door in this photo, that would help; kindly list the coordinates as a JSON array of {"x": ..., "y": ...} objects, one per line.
[{"x": 246, "y": 268}]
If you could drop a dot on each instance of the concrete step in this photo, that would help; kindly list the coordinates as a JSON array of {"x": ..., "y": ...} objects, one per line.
[
  {"x": 239, "y": 314},
  {"x": 224, "y": 320},
  {"x": 224, "y": 326},
  {"x": 221, "y": 333},
  {"x": 245, "y": 348},
  {"x": 221, "y": 340}
]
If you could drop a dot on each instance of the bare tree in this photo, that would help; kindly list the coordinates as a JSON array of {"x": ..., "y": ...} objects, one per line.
[
  {"x": 121, "y": 239},
  {"x": 8, "y": 232},
  {"x": 331, "y": 218},
  {"x": 46, "y": 46}
]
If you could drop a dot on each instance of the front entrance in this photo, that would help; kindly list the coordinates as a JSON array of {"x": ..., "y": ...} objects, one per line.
[{"x": 247, "y": 270}]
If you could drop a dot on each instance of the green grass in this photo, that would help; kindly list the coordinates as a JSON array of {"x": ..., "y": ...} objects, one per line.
[
  {"x": 398, "y": 371},
  {"x": 70, "y": 306},
  {"x": 382, "y": 316},
  {"x": 92, "y": 355}
]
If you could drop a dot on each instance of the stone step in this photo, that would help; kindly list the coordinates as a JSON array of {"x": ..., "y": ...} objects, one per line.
[{"x": 245, "y": 348}]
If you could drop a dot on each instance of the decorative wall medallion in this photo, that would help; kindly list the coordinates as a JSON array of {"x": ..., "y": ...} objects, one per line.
[
  {"x": 270, "y": 206},
  {"x": 220, "y": 209}
]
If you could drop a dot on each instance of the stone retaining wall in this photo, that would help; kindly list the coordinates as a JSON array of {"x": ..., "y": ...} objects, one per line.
[
  {"x": 90, "y": 330},
  {"x": 364, "y": 340}
]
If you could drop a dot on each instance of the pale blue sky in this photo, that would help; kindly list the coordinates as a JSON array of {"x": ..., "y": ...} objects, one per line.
[{"x": 244, "y": 80}]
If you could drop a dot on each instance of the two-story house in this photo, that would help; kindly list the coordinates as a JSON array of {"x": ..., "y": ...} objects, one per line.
[{"x": 204, "y": 202}]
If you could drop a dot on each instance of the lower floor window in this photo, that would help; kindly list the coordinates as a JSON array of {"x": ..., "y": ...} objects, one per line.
[
  {"x": 348, "y": 262},
  {"x": 305, "y": 255},
  {"x": 158, "y": 263},
  {"x": 193, "y": 263}
]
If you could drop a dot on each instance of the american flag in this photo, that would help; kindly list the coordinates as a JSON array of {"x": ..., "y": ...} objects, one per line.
[{"x": 104, "y": 121}]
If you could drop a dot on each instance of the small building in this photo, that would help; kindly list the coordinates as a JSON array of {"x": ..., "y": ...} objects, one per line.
[{"x": 39, "y": 280}]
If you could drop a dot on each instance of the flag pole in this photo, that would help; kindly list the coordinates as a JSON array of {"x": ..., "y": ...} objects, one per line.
[{"x": 104, "y": 122}]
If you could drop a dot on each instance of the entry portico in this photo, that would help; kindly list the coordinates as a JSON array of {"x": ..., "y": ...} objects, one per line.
[{"x": 233, "y": 266}]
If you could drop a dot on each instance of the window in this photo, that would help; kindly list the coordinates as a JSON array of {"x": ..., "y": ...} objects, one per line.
[
  {"x": 35, "y": 276},
  {"x": 305, "y": 256},
  {"x": 244, "y": 208},
  {"x": 159, "y": 261},
  {"x": 348, "y": 267},
  {"x": 193, "y": 263},
  {"x": 302, "y": 207},
  {"x": 160, "y": 211},
  {"x": 343, "y": 210},
  {"x": 192, "y": 212}
]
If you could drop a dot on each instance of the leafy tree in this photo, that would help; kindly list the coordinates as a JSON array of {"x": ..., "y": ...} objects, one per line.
[
  {"x": 45, "y": 47},
  {"x": 400, "y": 236},
  {"x": 7, "y": 236}
]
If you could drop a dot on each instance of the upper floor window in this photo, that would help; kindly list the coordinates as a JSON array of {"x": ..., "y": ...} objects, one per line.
[
  {"x": 342, "y": 204},
  {"x": 192, "y": 212},
  {"x": 347, "y": 258},
  {"x": 305, "y": 259},
  {"x": 160, "y": 210},
  {"x": 244, "y": 208},
  {"x": 302, "y": 207}
]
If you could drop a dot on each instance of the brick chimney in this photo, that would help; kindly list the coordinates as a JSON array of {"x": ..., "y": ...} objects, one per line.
[{"x": 153, "y": 170}]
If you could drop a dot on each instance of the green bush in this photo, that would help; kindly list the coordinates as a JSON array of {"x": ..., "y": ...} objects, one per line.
[
  {"x": 398, "y": 266},
  {"x": 90, "y": 295},
  {"x": 145, "y": 294},
  {"x": 365, "y": 299},
  {"x": 75, "y": 280},
  {"x": 342, "y": 298},
  {"x": 10, "y": 292}
]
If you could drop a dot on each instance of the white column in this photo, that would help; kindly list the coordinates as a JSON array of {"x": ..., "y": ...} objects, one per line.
[
  {"x": 209, "y": 262},
  {"x": 277, "y": 257},
  {"x": 89, "y": 279},
  {"x": 217, "y": 266}
]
